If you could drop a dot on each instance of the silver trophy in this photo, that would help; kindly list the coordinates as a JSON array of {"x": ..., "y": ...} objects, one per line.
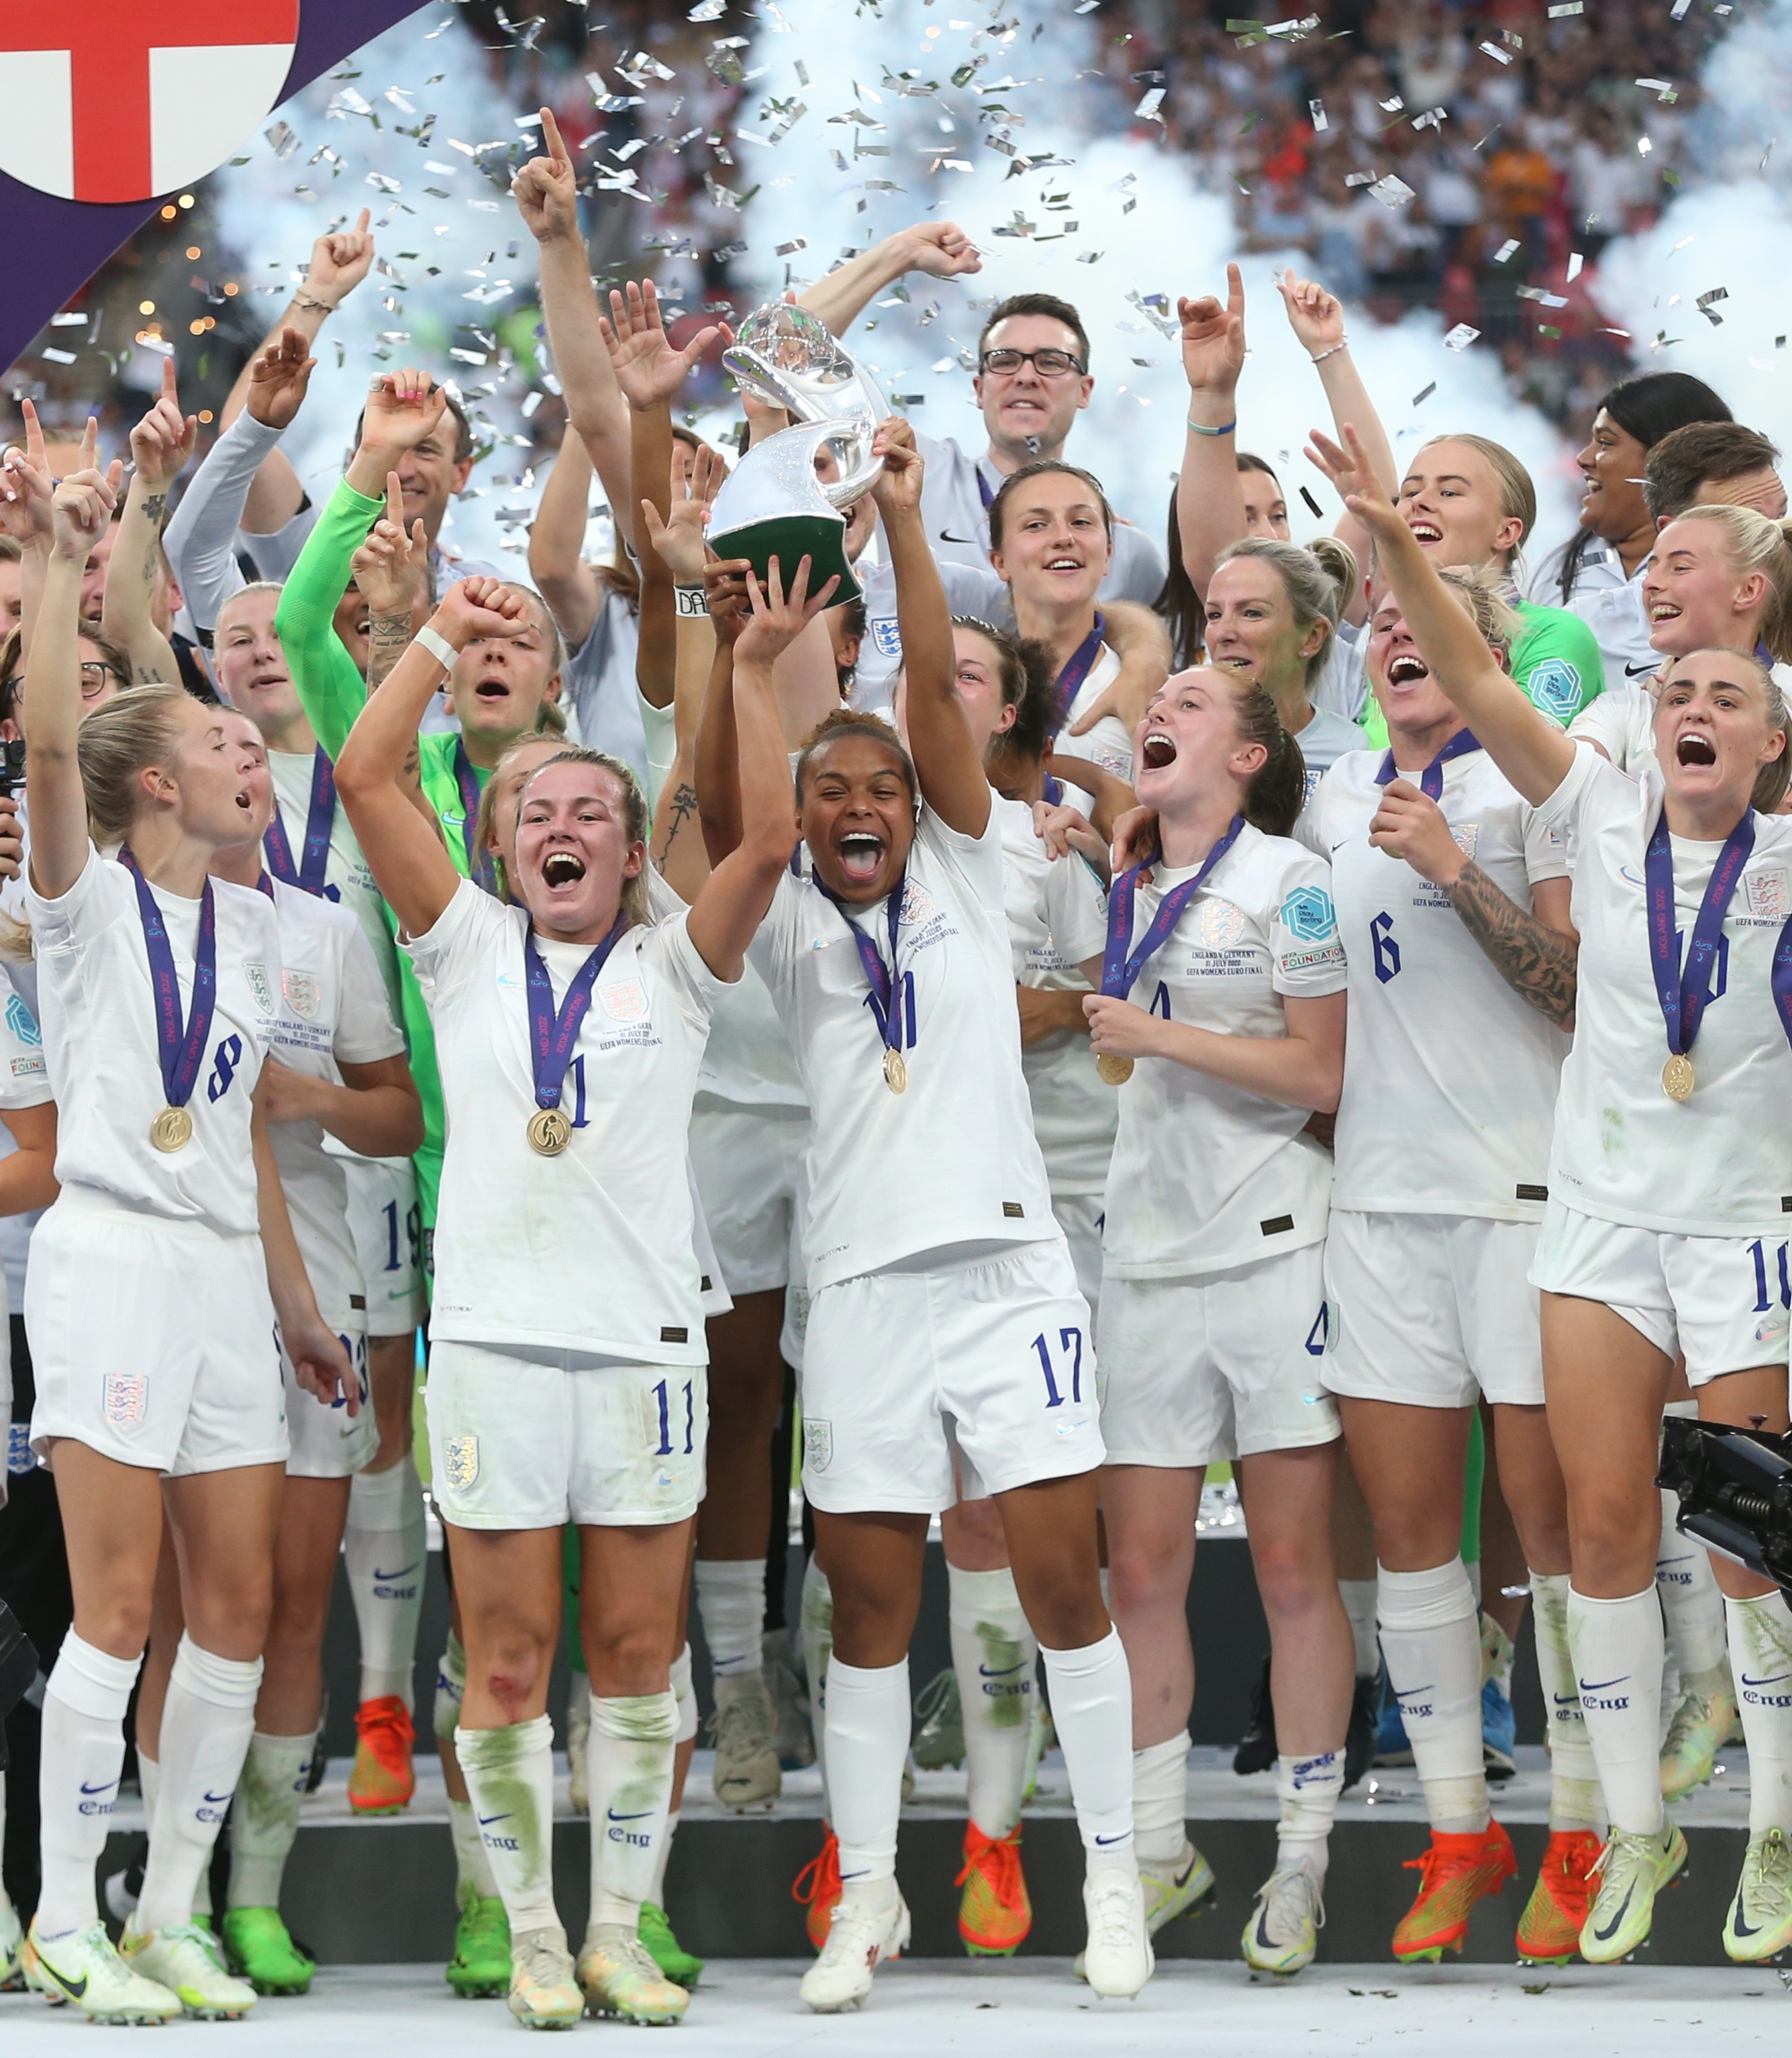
[{"x": 785, "y": 499}]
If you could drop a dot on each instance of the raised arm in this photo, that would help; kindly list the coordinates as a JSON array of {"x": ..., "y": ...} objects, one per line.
[
  {"x": 557, "y": 541},
  {"x": 1210, "y": 501},
  {"x": 1317, "y": 318},
  {"x": 391, "y": 575},
  {"x": 732, "y": 902},
  {"x": 26, "y": 490},
  {"x": 339, "y": 263},
  {"x": 546, "y": 195},
  {"x": 941, "y": 249},
  {"x": 51, "y": 708},
  {"x": 1534, "y": 754},
  {"x": 376, "y": 767},
  {"x": 678, "y": 848},
  {"x": 947, "y": 761},
  {"x": 161, "y": 445}
]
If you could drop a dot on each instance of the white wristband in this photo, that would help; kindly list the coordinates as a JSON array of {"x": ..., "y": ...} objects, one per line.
[
  {"x": 438, "y": 647},
  {"x": 693, "y": 600}
]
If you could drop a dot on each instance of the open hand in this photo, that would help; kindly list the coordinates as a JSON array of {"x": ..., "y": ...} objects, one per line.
[
  {"x": 647, "y": 369},
  {"x": 679, "y": 541},
  {"x": 402, "y": 408},
  {"x": 778, "y": 618},
  {"x": 1353, "y": 479}
]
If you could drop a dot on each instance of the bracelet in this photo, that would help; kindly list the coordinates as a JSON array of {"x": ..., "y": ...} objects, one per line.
[
  {"x": 693, "y": 601},
  {"x": 1343, "y": 343},
  {"x": 438, "y": 647},
  {"x": 1207, "y": 429},
  {"x": 303, "y": 300}
]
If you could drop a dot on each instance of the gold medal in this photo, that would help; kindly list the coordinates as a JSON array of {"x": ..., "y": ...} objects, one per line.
[
  {"x": 1677, "y": 1080},
  {"x": 172, "y": 1130},
  {"x": 550, "y": 1132},
  {"x": 895, "y": 1071},
  {"x": 1113, "y": 1071}
]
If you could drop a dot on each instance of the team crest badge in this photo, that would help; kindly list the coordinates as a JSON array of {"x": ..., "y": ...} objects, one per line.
[
  {"x": 624, "y": 1001},
  {"x": 127, "y": 1398},
  {"x": 1222, "y": 925},
  {"x": 303, "y": 995},
  {"x": 260, "y": 985},
  {"x": 461, "y": 1457},
  {"x": 818, "y": 1443}
]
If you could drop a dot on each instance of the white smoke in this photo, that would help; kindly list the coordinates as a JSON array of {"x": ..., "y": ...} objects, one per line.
[
  {"x": 1734, "y": 233},
  {"x": 1154, "y": 231},
  {"x": 441, "y": 250}
]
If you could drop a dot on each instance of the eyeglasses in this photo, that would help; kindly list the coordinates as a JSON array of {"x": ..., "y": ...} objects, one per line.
[
  {"x": 94, "y": 675},
  {"x": 1048, "y": 363}
]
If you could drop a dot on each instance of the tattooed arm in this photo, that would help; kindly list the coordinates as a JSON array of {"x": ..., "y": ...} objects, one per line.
[
  {"x": 161, "y": 445},
  {"x": 1535, "y": 954}
]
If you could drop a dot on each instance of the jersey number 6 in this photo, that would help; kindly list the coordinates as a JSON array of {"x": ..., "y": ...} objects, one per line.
[{"x": 1386, "y": 949}]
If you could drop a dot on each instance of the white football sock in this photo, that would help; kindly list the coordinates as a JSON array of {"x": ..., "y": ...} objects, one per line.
[
  {"x": 1574, "y": 1799},
  {"x": 385, "y": 1551},
  {"x": 1617, "y": 1649},
  {"x": 994, "y": 1653},
  {"x": 818, "y": 1644},
  {"x": 82, "y": 1755},
  {"x": 473, "y": 1873},
  {"x": 1309, "y": 1790},
  {"x": 1430, "y": 1640},
  {"x": 731, "y": 1606},
  {"x": 655, "y": 1888},
  {"x": 266, "y": 1822},
  {"x": 207, "y": 1722},
  {"x": 1160, "y": 1801},
  {"x": 450, "y": 1688},
  {"x": 510, "y": 1775},
  {"x": 630, "y": 1753},
  {"x": 1691, "y": 1601},
  {"x": 1359, "y": 1599},
  {"x": 867, "y": 1722},
  {"x": 1761, "y": 1652},
  {"x": 1092, "y": 1710}
]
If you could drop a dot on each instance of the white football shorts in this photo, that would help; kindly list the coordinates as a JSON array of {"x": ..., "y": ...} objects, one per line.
[
  {"x": 746, "y": 1160},
  {"x": 1721, "y": 1300},
  {"x": 385, "y": 1227},
  {"x": 152, "y": 1340},
  {"x": 530, "y": 1442},
  {"x": 994, "y": 1358},
  {"x": 1080, "y": 1216},
  {"x": 1221, "y": 1364},
  {"x": 328, "y": 1442},
  {"x": 1434, "y": 1311}
]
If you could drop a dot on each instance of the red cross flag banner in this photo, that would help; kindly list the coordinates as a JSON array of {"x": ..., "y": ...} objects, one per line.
[{"x": 124, "y": 100}]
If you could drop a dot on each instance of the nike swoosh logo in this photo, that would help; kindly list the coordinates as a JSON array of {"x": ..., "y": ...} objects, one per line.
[
  {"x": 1266, "y": 1942},
  {"x": 1104, "y": 1841},
  {"x": 73, "y": 1988},
  {"x": 1187, "y": 1872},
  {"x": 640, "y": 1817},
  {"x": 1611, "y": 1929},
  {"x": 218, "y": 1800},
  {"x": 1742, "y": 1927},
  {"x": 1642, "y": 671},
  {"x": 1000, "y": 1671},
  {"x": 1565, "y": 1700},
  {"x": 1748, "y": 1682},
  {"x": 1412, "y": 1693},
  {"x": 105, "y": 1786},
  {"x": 1599, "y": 1686},
  {"x": 485, "y": 1820},
  {"x": 946, "y": 536},
  {"x": 379, "y": 1574}
]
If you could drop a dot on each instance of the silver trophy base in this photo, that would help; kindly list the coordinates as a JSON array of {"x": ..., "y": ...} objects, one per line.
[{"x": 790, "y": 538}]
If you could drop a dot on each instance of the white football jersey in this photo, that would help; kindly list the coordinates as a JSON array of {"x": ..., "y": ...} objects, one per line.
[
  {"x": 1109, "y": 744},
  {"x": 953, "y": 1160},
  {"x": 333, "y": 1011},
  {"x": 24, "y": 1083},
  {"x": 347, "y": 876},
  {"x": 1204, "y": 1175},
  {"x": 592, "y": 1250},
  {"x": 1057, "y": 921},
  {"x": 1622, "y": 722},
  {"x": 97, "y": 1012},
  {"x": 973, "y": 590},
  {"x": 1719, "y": 1164},
  {"x": 1449, "y": 1078}
]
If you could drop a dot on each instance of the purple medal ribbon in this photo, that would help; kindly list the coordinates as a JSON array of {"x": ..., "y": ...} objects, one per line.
[
  {"x": 553, "y": 1032},
  {"x": 319, "y": 818},
  {"x": 1431, "y": 780},
  {"x": 1075, "y": 671},
  {"x": 885, "y": 1011},
  {"x": 1683, "y": 994},
  {"x": 479, "y": 863},
  {"x": 180, "y": 1048},
  {"x": 1121, "y": 965}
]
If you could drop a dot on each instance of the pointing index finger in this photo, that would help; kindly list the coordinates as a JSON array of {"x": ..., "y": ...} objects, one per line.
[{"x": 557, "y": 149}]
